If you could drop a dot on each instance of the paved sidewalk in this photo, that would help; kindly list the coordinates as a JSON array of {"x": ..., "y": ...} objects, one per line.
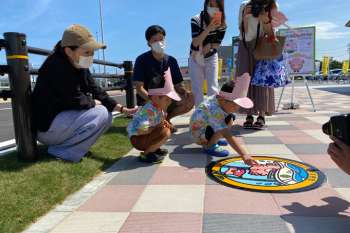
[
  {"x": 177, "y": 197},
  {"x": 3, "y": 101}
]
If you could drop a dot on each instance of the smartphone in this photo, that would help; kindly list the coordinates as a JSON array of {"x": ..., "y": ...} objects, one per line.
[{"x": 217, "y": 17}]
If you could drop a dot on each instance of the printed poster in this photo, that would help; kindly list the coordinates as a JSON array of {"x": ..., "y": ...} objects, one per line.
[{"x": 299, "y": 51}]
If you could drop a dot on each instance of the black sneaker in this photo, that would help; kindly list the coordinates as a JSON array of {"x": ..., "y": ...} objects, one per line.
[
  {"x": 88, "y": 154},
  {"x": 151, "y": 158},
  {"x": 173, "y": 129},
  {"x": 161, "y": 152}
]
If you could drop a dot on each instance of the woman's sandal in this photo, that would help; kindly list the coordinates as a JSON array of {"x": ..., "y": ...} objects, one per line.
[
  {"x": 248, "y": 124},
  {"x": 260, "y": 123}
]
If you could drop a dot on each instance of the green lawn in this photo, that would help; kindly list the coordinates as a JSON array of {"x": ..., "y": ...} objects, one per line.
[{"x": 29, "y": 190}]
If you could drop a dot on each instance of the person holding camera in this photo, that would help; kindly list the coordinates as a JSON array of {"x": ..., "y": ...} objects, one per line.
[
  {"x": 340, "y": 154},
  {"x": 255, "y": 21},
  {"x": 339, "y": 150},
  {"x": 208, "y": 31}
]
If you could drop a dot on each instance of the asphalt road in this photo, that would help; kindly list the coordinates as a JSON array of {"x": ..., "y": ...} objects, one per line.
[
  {"x": 6, "y": 123},
  {"x": 342, "y": 91}
]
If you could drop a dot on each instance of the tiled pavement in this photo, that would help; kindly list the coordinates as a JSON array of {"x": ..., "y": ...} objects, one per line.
[
  {"x": 177, "y": 197},
  {"x": 3, "y": 101}
]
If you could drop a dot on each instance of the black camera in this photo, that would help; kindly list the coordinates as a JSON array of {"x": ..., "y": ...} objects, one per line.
[
  {"x": 339, "y": 127},
  {"x": 256, "y": 9},
  {"x": 257, "y": 6}
]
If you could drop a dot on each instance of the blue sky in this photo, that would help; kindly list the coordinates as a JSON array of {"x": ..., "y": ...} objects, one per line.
[{"x": 126, "y": 20}]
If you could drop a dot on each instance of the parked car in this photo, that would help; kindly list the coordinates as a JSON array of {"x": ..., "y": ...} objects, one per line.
[
  {"x": 343, "y": 77},
  {"x": 335, "y": 74},
  {"x": 4, "y": 83},
  {"x": 318, "y": 76}
]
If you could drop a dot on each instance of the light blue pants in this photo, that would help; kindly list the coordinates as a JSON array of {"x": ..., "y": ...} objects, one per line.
[{"x": 72, "y": 133}]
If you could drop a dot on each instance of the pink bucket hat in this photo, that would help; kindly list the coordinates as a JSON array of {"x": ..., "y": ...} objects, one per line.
[
  {"x": 239, "y": 93},
  {"x": 168, "y": 88}
]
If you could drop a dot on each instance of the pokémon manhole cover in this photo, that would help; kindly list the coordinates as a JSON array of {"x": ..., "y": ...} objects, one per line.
[{"x": 270, "y": 175}]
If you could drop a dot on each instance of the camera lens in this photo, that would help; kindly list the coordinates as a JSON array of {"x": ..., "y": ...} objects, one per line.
[{"x": 326, "y": 128}]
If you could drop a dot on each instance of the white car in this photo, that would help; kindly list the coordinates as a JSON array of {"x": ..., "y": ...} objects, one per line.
[{"x": 335, "y": 74}]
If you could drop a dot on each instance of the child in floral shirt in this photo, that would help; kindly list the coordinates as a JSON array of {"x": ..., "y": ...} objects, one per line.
[
  {"x": 149, "y": 130},
  {"x": 212, "y": 120}
]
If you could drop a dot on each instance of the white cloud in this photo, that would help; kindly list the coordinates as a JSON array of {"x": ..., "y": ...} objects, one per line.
[
  {"x": 329, "y": 31},
  {"x": 27, "y": 13},
  {"x": 40, "y": 8}
]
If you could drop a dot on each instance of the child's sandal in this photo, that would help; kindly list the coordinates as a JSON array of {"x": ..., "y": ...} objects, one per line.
[
  {"x": 260, "y": 123},
  {"x": 248, "y": 124}
]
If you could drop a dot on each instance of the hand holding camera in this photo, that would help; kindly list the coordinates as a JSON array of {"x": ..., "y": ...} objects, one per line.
[
  {"x": 339, "y": 129},
  {"x": 258, "y": 7},
  {"x": 264, "y": 17},
  {"x": 340, "y": 154}
]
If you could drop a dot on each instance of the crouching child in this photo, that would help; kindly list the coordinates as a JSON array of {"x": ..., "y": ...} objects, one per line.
[
  {"x": 149, "y": 129},
  {"x": 211, "y": 122}
]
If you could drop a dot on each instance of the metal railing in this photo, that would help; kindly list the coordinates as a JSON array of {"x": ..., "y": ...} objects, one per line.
[{"x": 18, "y": 70}]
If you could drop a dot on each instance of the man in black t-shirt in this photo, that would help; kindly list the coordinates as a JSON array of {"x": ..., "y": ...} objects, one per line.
[{"x": 154, "y": 63}]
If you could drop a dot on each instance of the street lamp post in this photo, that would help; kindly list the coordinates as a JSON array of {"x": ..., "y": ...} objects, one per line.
[
  {"x": 98, "y": 54},
  {"x": 102, "y": 37}
]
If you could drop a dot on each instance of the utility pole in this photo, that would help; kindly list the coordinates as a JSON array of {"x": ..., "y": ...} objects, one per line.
[
  {"x": 102, "y": 33},
  {"x": 102, "y": 37},
  {"x": 348, "y": 25},
  {"x": 98, "y": 54}
]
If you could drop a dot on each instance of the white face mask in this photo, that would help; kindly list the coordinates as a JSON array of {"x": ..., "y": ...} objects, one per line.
[
  {"x": 158, "y": 47},
  {"x": 212, "y": 11},
  {"x": 85, "y": 62}
]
